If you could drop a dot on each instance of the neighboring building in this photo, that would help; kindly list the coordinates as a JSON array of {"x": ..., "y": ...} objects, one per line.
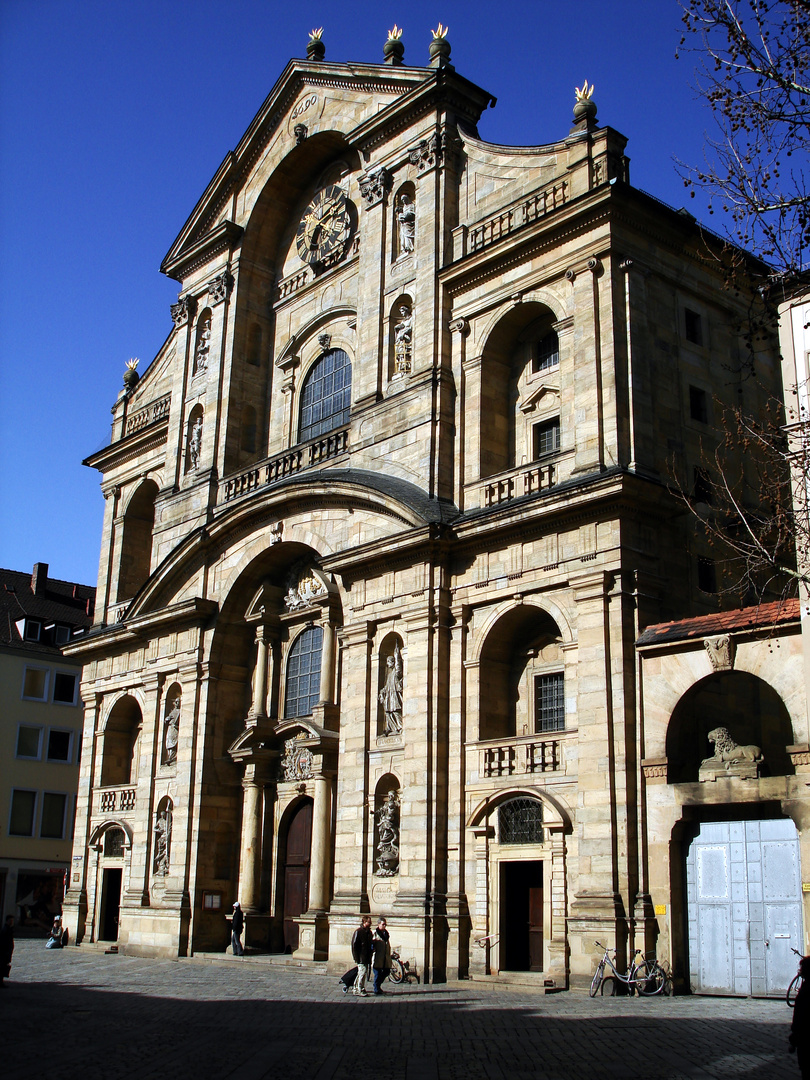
[
  {"x": 384, "y": 520},
  {"x": 40, "y": 739}
]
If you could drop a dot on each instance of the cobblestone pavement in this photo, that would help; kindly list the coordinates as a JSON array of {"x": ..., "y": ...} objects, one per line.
[{"x": 79, "y": 1013}]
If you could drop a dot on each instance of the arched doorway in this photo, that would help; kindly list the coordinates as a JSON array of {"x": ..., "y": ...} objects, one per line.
[
  {"x": 520, "y": 829},
  {"x": 295, "y": 871},
  {"x": 112, "y": 871}
]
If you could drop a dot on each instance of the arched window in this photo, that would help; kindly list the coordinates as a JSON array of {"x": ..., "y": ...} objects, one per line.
[
  {"x": 303, "y": 687},
  {"x": 520, "y": 821},
  {"x": 114, "y": 840},
  {"x": 326, "y": 395},
  {"x": 136, "y": 543}
]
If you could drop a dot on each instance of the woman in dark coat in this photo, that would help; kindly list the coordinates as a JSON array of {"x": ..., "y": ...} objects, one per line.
[
  {"x": 6, "y": 948},
  {"x": 800, "y": 1028}
]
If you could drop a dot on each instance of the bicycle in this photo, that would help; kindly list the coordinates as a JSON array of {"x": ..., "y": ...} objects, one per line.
[
  {"x": 399, "y": 969},
  {"x": 795, "y": 982},
  {"x": 645, "y": 976}
]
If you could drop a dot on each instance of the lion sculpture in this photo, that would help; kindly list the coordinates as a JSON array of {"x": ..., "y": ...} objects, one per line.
[{"x": 727, "y": 751}]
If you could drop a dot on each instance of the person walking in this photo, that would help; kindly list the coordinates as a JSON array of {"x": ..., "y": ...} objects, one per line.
[
  {"x": 382, "y": 956},
  {"x": 362, "y": 951},
  {"x": 800, "y": 1028},
  {"x": 6, "y": 948},
  {"x": 237, "y": 926}
]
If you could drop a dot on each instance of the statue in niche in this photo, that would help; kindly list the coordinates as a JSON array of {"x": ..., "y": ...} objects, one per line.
[
  {"x": 403, "y": 334},
  {"x": 388, "y": 836},
  {"x": 391, "y": 693},
  {"x": 730, "y": 759},
  {"x": 195, "y": 444},
  {"x": 163, "y": 836},
  {"x": 203, "y": 348},
  {"x": 170, "y": 735},
  {"x": 406, "y": 220}
]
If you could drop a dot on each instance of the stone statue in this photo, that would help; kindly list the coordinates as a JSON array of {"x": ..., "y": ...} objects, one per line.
[
  {"x": 403, "y": 336},
  {"x": 195, "y": 444},
  {"x": 171, "y": 733},
  {"x": 203, "y": 348},
  {"x": 406, "y": 218},
  {"x": 391, "y": 693},
  {"x": 163, "y": 836},
  {"x": 388, "y": 836},
  {"x": 730, "y": 759}
]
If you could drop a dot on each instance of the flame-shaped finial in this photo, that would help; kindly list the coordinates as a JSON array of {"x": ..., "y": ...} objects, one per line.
[
  {"x": 584, "y": 94},
  {"x": 395, "y": 34},
  {"x": 440, "y": 32}
]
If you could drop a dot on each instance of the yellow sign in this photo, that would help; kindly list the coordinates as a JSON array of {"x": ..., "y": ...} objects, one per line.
[
  {"x": 806, "y": 886},
  {"x": 660, "y": 909}
]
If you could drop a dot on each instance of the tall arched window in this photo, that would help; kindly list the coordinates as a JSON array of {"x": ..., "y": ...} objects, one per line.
[
  {"x": 326, "y": 395},
  {"x": 303, "y": 686}
]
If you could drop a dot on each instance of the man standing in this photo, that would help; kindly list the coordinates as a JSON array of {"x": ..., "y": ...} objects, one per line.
[
  {"x": 362, "y": 950},
  {"x": 382, "y": 956},
  {"x": 6, "y": 948},
  {"x": 237, "y": 925}
]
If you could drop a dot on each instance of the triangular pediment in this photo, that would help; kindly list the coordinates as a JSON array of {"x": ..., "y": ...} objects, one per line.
[
  {"x": 536, "y": 396},
  {"x": 313, "y": 94}
]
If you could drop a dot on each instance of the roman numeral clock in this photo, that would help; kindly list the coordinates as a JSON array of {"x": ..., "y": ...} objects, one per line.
[{"x": 325, "y": 230}]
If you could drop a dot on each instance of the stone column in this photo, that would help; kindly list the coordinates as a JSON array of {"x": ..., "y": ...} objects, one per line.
[
  {"x": 480, "y": 957},
  {"x": 327, "y": 691},
  {"x": 258, "y": 706},
  {"x": 321, "y": 850},
  {"x": 250, "y": 862}
]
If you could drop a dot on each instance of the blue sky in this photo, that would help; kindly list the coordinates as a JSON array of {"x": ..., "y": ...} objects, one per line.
[{"x": 113, "y": 118}]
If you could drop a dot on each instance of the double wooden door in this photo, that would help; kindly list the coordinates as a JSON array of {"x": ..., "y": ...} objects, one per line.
[{"x": 296, "y": 872}]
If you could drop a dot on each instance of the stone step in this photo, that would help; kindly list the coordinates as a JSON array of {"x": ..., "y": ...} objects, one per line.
[
  {"x": 316, "y": 967},
  {"x": 530, "y": 979}
]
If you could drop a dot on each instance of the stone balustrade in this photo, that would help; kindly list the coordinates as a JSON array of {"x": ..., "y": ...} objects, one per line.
[
  {"x": 148, "y": 415},
  {"x": 282, "y": 466},
  {"x": 524, "y": 755},
  {"x": 113, "y": 799},
  {"x": 469, "y": 239},
  {"x": 525, "y": 480}
]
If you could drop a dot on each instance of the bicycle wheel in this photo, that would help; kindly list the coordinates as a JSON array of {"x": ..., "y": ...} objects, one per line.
[
  {"x": 397, "y": 973},
  {"x": 792, "y": 990},
  {"x": 610, "y": 987},
  {"x": 596, "y": 981},
  {"x": 650, "y": 978}
]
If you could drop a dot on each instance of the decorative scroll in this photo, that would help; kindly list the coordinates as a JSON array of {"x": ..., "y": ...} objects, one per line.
[
  {"x": 183, "y": 310},
  {"x": 374, "y": 184}
]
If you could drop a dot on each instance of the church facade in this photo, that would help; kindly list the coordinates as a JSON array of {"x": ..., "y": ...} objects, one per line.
[{"x": 385, "y": 518}]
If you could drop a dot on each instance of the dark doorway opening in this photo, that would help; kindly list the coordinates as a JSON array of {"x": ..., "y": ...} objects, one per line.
[
  {"x": 110, "y": 904},
  {"x": 296, "y": 872},
  {"x": 521, "y": 916}
]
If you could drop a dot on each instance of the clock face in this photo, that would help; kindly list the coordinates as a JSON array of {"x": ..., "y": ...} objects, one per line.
[{"x": 325, "y": 229}]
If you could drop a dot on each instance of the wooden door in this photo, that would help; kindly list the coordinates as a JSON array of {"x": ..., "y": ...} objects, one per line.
[{"x": 296, "y": 872}]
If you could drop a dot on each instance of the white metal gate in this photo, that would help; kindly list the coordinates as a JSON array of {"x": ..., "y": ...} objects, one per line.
[{"x": 744, "y": 913}]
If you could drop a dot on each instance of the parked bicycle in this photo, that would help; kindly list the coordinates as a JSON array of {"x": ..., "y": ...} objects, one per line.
[
  {"x": 399, "y": 969},
  {"x": 795, "y": 982},
  {"x": 646, "y": 976}
]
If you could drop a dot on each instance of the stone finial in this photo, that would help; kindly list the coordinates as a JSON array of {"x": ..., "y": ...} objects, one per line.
[
  {"x": 440, "y": 47},
  {"x": 131, "y": 376},
  {"x": 394, "y": 50},
  {"x": 316, "y": 50},
  {"x": 585, "y": 107}
]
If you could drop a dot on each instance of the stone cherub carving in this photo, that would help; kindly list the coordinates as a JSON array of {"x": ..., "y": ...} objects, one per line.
[
  {"x": 388, "y": 836},
  {"x": 730, "y": 758},
  {"x": 406, "y": 220},
  {"x": 170, "y": 735},
  {"x": 391, "y": 694},
  {"x": 403, "y": 337}
]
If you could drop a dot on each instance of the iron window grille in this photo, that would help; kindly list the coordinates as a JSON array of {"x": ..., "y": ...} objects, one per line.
[
  {"x": 520, "y": 821},
  {"x": 114, "y": 843},
  {"x": 549, "y": 702}
]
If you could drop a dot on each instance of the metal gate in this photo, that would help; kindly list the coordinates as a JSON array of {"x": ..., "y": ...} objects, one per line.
[{"x": 744, "y": 912}]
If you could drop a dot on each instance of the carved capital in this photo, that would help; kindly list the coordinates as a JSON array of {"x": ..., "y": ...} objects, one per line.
[
  {"x": 374, "y": 184},
  {"x": 184, "y": 310},
  {"x": 428, "y": 153},
  {"x": 220, "y": 288},
  {"x": 460, "y": 326},
  {"x": 720, "y": 651}
]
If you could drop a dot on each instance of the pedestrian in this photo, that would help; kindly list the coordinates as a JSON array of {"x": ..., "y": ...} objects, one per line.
[
  {"x": 55, "y": 936},
  {"x": 800, "y": 1028},
  {"x": 6, "y": 948},
  {"x": 382, "y": 956},
  {"x": 237, "y": 926},
  {"x": 362, "y": 951}
]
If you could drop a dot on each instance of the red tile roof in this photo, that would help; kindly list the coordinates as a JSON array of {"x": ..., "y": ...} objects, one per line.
[{"x": 723, "y": 622}]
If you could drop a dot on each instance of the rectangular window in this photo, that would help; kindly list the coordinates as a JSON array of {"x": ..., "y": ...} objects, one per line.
[
  {"x": 59, "y": 744},
  {"x": 693, "y": 325},
  {"x": 702, "y": 491},
  {"x": 546, "y": 353},
  {"x": 52, "y": 826},
  {"x": 33, "y": 629},
  {"x": 546, "y": 438},
  {"x": 549, "y": 702},
  {"x": 61, "y": 634},
  {"x": 698, "y": 405},
  {"x": 64, "y": 687},
  {"x": 707, "y": 575},
  {"x": 23, "y": 804},
  {"x": 29, "y": 740},
  {"x": 35, "y": 684}
]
